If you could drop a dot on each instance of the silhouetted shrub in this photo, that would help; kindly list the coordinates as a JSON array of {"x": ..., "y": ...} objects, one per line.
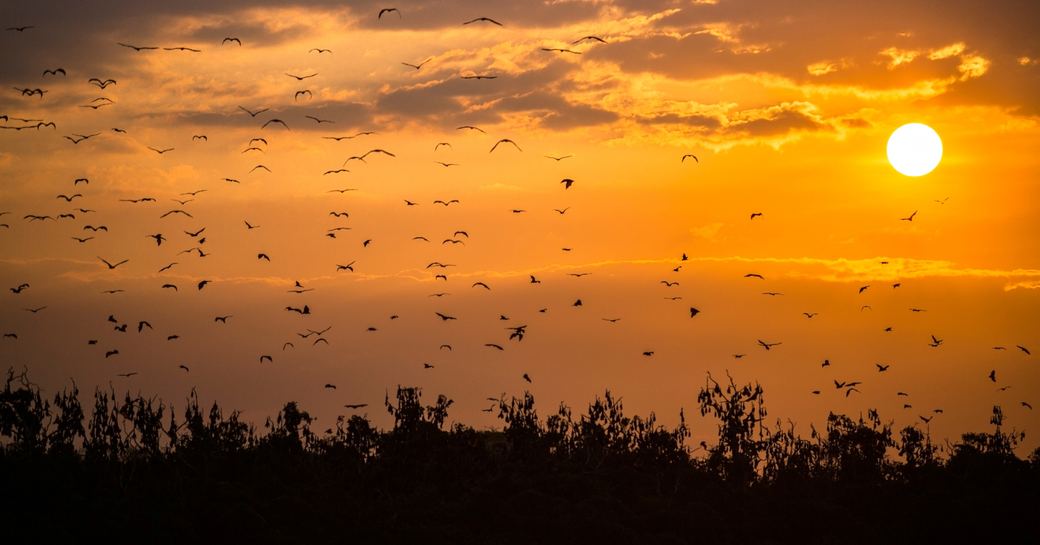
[{"x": 130, "y": 469}]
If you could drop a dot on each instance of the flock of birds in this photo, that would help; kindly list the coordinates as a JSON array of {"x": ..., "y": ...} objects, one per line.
[{"x": 258, "y": 144}]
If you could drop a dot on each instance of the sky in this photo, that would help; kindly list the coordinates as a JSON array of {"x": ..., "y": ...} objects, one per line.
[{"x": 785, "y": 107}]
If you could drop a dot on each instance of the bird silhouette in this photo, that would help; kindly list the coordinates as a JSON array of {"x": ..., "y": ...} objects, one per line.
[
  {"x": 417, "y": 67},
  {"x": 138, "y": 48},
  {"x": 560, "y": 50},
  {"x": 270, "y": 121},
  {"x": 483, "y": 19},
  {"x": 589, "y": 38},
  {"x": 110, "y": 265}
]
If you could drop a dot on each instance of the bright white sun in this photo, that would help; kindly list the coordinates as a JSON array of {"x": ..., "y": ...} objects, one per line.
[{"x": 914, "y": 149}]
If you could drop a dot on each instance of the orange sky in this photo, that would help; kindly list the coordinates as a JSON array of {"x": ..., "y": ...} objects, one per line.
[{"x": 787, "y": 106}]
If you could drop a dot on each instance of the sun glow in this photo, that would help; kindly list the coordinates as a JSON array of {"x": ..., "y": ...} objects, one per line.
[{"x": 914, "y": 149}]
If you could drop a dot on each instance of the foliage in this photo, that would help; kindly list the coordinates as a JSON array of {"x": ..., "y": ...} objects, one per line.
[{"x": 131, "y": 469}]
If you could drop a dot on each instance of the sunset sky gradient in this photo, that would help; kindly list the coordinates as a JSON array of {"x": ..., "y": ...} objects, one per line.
[{"x": 786, "y": 105}]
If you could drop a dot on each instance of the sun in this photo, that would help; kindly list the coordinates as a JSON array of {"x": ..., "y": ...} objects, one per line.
[{"x": 914, "y": 149}]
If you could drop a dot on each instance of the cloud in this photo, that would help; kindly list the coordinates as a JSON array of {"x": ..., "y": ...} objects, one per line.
[
  {"x": 452, "y": 100},
  {"x": 344, "y": 114},
  {"x": 780, "y": 119},
  {"x": 965, "y": 41},
  {"x": 452, "y": 13}
]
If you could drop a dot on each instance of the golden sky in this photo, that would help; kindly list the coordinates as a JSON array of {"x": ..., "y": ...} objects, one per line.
[{"x": 786, "y": 105}]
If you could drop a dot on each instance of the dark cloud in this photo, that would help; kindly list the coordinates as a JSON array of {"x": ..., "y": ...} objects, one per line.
[
  {"x": 780, "y": 120},
  {"x": 451, "y": 101},
  {"x": 419, "y": 15},
  {"x": 796, "y": 33},
  {"x": 249, "y": 33},
  {"x": 345, "y": 115},
  {"x": 702, "y": 122},
  {"x": 555, "y": 112}
]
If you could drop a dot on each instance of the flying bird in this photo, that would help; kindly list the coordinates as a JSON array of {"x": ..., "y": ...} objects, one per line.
[
  {"x": 560, "y": 50},
  {"x": 110, "y": 265},
  {"x": 138, "y": 48},
  {"x": 767, "y": 346},
  {"x": 101, "y": 84},
  {"x": 269, "y": 121},
  {"x": 589, "y": 38},
  {"x": 417, "y": 67},
  {"x": 483, "y": 19}
]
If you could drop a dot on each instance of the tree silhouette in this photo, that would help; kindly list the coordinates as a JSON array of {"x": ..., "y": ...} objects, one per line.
[{"x": 130, "y": 468}]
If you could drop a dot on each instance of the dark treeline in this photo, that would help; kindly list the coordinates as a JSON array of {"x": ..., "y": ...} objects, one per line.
[{"x": 135, "y": 470}]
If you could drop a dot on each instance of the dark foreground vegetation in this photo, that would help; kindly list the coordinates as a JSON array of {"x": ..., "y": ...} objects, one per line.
[{"x": 134, "y": 470}]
